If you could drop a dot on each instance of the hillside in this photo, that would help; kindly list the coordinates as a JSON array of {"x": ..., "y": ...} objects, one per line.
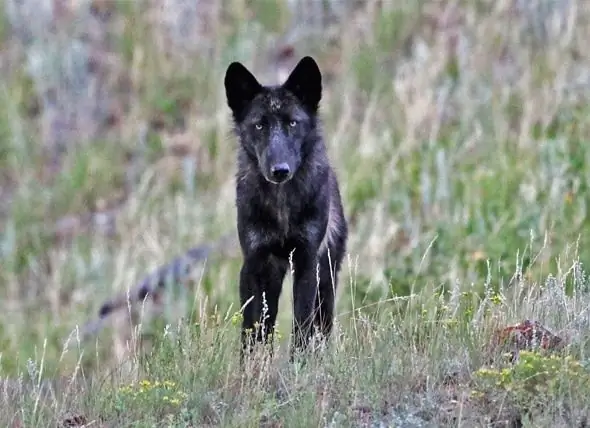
[{"x": 458, "y": 131}]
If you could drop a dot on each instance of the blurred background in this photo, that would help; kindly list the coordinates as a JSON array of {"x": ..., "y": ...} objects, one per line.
[{"x": 458, "y": 130}]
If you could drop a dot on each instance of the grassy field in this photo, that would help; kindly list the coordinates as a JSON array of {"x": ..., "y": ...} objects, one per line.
[{"x": 458, "y": 130}]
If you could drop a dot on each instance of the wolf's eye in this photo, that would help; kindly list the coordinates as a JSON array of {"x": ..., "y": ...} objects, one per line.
[
  {"x": 293, "y": 123},
  {"x": 258, "y": 126}
]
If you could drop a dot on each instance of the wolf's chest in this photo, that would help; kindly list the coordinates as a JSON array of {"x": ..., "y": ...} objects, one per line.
[
  {"x": 281, "y": 213},
  {"x": 283, "y": 221}
]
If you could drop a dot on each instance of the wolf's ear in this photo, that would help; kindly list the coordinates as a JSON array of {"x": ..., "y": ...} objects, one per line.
[
  {"x": 305, "y": 82},
  {"x": 240, "y": 87}
]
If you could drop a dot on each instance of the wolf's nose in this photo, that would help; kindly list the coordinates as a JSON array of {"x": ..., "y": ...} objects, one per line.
[{"x": 280, "y": 172}]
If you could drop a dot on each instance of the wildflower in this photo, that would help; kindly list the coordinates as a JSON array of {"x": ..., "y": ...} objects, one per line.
[
  {"x": 497, "y": 299},
  {"x": 125, "y": 389},
  {"x": 236, "y": 318},
  {"x": 146, "y": 385}
]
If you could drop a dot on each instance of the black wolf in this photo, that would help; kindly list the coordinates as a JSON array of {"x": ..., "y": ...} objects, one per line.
[{"x": 288, "y": 202}]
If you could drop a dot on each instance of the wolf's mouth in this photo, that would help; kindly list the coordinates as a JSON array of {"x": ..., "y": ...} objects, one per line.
[{"x": 270, "y": 180}]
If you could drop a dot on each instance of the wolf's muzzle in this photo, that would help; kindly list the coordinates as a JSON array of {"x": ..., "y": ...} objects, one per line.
[{"x": 280, "y": 172}]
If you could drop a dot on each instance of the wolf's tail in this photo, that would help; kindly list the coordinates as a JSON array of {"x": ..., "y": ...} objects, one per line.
[{"x": 153, "y": 284}]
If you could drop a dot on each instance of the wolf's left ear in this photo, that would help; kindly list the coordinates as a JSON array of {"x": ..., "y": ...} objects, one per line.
[
  {"x": 305, "y": 82},
  {"x": 240, "y": 88}
]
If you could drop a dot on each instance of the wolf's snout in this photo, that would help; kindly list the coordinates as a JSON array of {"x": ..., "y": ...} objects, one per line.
[{"x": 280, "y": 172}]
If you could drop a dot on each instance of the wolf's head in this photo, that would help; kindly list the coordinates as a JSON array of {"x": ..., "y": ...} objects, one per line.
[{"x": 273, "y": 122}]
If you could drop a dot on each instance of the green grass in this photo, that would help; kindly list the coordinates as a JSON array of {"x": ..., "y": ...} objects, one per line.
[{"x": 461, "y": 146}]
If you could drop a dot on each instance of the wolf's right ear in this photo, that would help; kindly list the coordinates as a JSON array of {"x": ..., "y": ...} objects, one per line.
[{"x": 240, "y": 88}]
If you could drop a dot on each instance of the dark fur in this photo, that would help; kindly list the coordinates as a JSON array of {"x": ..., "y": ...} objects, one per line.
[{"x": 278, "y": 126}]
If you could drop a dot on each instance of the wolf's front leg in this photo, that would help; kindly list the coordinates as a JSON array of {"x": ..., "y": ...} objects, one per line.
[
  {"x": 261, "y": 280},
  {"x": 304, "y": 297}
]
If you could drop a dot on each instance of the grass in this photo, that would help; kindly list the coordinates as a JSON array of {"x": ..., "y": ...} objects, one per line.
[{"x": 458, "y": 131}]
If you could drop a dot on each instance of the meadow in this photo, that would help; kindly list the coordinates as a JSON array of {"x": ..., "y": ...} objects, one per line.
[{"x": 458, "y": 131}]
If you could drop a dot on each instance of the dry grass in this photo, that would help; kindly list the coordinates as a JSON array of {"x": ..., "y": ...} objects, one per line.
[{"x": 458, "y": 130}]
